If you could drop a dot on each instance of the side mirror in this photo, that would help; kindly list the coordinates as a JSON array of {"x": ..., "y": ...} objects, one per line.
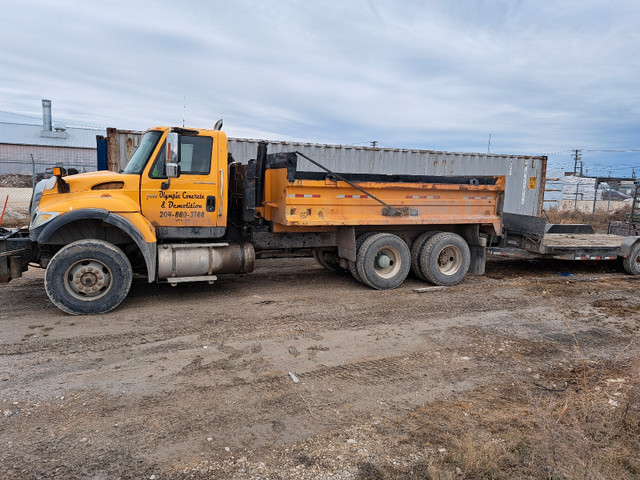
[
  {"x": 173, "y": 155},
  {"x": 173, "y": 170},
  {"x": 172, "y": 167}
]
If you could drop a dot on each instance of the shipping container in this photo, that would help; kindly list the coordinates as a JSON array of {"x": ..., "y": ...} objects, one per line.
[{"x": 525, "y": 175}]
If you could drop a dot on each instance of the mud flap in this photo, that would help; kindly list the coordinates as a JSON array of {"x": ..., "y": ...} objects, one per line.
[
  {"x": 478, "y": 259},
  {"x": 477, "y": 248},
  {"x": 347, "y": 243}
]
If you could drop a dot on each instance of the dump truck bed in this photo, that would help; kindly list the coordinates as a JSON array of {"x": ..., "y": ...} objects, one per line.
[{"x": 294, "y": 200}]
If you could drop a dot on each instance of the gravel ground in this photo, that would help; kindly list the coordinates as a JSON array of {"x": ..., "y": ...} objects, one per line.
[{"x": 199, "y": 381}]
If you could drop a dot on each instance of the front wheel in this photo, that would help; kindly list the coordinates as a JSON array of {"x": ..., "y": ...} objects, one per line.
[{"x": 88, "y": 277}]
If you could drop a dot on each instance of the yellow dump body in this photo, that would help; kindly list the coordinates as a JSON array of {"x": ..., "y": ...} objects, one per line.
[{"x": 310, "y": 205}]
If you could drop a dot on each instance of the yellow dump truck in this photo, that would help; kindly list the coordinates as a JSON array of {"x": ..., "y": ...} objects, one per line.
[{"x": 184, "y": 211}]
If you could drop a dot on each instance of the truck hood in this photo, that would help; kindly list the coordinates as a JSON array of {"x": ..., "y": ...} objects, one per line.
[
  {"x": 110, "y": 191},
  {"x": 103, "y": 179}
]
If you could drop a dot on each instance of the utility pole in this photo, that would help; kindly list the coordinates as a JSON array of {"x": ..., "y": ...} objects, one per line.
[{"x": 576, "y": 158}]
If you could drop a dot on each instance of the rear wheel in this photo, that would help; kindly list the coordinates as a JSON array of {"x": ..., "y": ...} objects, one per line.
[
  {"x": 327, "y": 259},
  {"x": 383, "y": 261},
  {"x": 445, "y": 259},
  {"x": 416, "y": 250},
  {"x": 353, "y": 268},
  {"x": 632, "y": 262},
  {"x": 88, "y": 277}
]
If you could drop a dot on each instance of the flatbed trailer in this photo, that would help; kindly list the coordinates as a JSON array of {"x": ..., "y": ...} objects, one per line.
[{"x": 531, "y": 237}]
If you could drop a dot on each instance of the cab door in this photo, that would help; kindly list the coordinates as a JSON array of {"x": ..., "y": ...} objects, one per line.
[{"x": 189, "y": 206}]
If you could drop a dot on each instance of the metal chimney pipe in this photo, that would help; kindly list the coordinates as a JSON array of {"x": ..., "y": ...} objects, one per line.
[{"x": 46, "y": 115}]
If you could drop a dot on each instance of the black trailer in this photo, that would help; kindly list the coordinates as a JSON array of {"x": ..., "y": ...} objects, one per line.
[{"x": 532, "y": 237}]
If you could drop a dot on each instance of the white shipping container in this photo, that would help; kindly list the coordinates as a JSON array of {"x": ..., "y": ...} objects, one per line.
[{"x": 525, "y": 175}]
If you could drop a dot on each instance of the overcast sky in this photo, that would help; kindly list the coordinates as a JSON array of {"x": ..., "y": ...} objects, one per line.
[{"x": 542, "y": 77}]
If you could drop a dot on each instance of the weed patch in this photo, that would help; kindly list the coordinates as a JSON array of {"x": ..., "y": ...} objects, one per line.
[{"x": 589, "y": 430}]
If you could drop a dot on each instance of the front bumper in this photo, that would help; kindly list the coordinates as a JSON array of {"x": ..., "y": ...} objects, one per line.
[{"x": 16, "y": 252}]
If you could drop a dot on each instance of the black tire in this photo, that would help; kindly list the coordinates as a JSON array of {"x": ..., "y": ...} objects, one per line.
[
  {"x": 352, "y": 265},
  {"x": 631, "y": 264},
  {"x": 88, "y": 277},
  {"x": 445, "y": 259},
  {"x": 416, "y": 250},
  {"x": 384, "y": 261},
  {"x": 325, "y": 259}
]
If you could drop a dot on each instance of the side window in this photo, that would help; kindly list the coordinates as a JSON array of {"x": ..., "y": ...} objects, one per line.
[
  {"x": 195, "y": 157},
  {"x": 158, "y": 170}
]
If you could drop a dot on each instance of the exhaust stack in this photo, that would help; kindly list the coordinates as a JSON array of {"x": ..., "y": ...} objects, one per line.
[{"x": 46, "y": 115}]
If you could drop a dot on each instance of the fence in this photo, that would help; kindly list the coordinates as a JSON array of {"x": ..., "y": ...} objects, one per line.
[
  {"x": 21, "y": 166},
  {"x": 589, "y": 194}
]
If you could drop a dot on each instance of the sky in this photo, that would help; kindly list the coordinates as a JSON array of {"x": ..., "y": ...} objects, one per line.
[{"x": 505, "y": 76}]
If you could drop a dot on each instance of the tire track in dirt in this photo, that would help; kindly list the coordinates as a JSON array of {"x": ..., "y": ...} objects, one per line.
[{"x": 136, "y": 391}]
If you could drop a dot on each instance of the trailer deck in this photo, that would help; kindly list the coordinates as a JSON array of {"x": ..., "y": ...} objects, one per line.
[
  {"x": 575, "y": 241},
  {"x": 566, "y": 246}
]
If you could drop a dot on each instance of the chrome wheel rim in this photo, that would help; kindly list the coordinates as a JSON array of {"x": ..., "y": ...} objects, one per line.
[
  {"x": 449, "y": 260},
  {"x": 387, "y": 262},
  {"x": 88, "y": 279}
]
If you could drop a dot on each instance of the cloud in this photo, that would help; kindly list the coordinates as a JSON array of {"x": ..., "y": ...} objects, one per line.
[{"x": 541, "y": 77}]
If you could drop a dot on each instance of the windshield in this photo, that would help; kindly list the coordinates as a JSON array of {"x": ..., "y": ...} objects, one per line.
[{"x": 144, "y": 151}]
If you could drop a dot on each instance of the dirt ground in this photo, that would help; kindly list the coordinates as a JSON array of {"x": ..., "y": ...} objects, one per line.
[
  {"x": 295, "y": 372},
  {"x": 14, "y": 202}
]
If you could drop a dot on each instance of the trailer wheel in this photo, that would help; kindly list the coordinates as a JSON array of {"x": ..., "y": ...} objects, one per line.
[
  {"x": 445, "y": 259},
  {"x": 88, "y": 277},
  {"x": 320, "y": 254},
  {"x": 353, "y": 268},
  {"x": 632, "y": 262},
  {"x": 416, "y": 250},
  {"x": 383, "y": 261}
]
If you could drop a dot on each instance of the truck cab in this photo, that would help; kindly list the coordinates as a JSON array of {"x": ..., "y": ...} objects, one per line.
[
  {"x": 94, "y": 231},
  {"x": 192, "y": 203}
]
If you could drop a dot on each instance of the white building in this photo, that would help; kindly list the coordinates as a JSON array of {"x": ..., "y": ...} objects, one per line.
[{"x": 29, "y": 144}]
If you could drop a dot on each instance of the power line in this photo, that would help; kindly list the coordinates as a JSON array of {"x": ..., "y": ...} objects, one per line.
[{"x": 613, "y": 150}]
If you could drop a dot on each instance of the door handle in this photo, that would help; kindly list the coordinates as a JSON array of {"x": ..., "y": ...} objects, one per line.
[
  {"x": 221, "y": 192},
  {"x": 211, "y": 203}
]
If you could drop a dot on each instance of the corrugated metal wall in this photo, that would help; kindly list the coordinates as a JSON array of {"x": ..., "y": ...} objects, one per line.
[{"x": 525, "y": 175}]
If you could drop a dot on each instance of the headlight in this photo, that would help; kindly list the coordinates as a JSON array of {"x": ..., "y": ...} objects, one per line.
[
  {"x": 49, "y": 183},
  {"x": 42, "y": 217},
  {"x": 40, "y": 187}
]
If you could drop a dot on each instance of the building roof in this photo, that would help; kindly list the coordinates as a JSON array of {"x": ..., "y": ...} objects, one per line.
[{"x": 19, "y": 129}]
